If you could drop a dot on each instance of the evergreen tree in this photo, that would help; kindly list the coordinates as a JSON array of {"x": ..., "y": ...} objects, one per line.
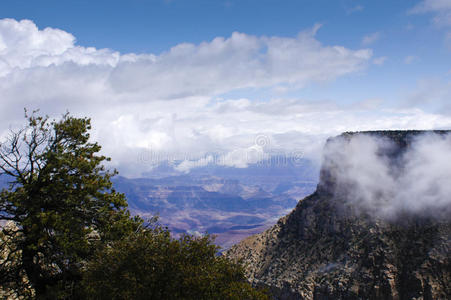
[
  {"x": 60, "y": 206},
  {"x": 66, "y": 233},
  {"x": 150, "y": 264}
]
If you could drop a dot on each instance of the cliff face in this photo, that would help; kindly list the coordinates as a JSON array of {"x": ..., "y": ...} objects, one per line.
[{"x": 345, "y": 242}]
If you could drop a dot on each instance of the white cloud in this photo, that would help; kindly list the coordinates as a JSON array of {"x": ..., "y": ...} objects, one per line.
[
  {"x": 167, "y": 105},
  {"x": 371, "y": 38},
  {"x": 442, "y": 9},
  {"x": 240, "y": 61},
  {"x": 187, "y": 164},
  {"x": 24, "y": 46},
  {"x": 415, "y": 181},
  {"x": 188, "y": 134}
]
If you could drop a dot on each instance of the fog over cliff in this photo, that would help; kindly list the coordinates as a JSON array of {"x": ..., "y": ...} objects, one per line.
[
  {"x": 381, "y": 178},
  {"x": 377, "y": 227}
]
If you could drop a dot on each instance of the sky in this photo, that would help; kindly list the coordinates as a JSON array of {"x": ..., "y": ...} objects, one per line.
[{"x": 187, "y": 80}]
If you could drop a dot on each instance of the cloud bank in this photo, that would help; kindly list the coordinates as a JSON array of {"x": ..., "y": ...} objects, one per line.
[
  {"x": 206, "y": 69},
  {"x": 378, "y": 178},
  {"x": 175, "y": 104}
]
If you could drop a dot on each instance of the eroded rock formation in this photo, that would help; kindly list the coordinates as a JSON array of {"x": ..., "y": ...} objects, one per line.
[{"x": 330, "y": 248}]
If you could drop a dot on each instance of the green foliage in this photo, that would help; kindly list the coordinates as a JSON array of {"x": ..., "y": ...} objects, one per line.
[
  {"x": 60, "y": 201},
  {"x": 69, "y": 235},
  {"x": 149, "y": 264}
]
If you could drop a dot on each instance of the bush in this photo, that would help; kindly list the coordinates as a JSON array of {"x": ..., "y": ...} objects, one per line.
[{"x": 150, "y": 264}]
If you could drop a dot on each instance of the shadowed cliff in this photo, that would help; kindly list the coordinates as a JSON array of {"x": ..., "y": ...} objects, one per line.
[{"x": 377, "y": 226}]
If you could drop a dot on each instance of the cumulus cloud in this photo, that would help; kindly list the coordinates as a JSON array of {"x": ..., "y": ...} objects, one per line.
[
  {"x": 173, "y": 105},
  {"x": 46, "y": 66},
  {"x": 209, "y": 68},
  {"x": 179, "y": 134},
  {"x": 24, "y": 46},
  {"x": 373, "y": 175},
  {"x": 240, "y": 61}
]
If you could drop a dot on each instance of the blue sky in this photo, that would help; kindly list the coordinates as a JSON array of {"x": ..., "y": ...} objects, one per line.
[
  {"x": 199, "y": 76},
  {"x": 154, "y": 26}
]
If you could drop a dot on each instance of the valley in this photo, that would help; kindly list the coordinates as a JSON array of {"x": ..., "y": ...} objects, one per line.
[{"x": 229, "y": 203}]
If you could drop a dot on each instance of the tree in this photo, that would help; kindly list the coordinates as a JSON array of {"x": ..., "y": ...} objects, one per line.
[
  {"x": 150, "y": 264},
  {"x": 60, "y": 206}
]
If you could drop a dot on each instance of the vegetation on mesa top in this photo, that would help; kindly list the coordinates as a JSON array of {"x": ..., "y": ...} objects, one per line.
[
  {"x": 66, "y": 222},
  {"x": 401, "y": 137}
]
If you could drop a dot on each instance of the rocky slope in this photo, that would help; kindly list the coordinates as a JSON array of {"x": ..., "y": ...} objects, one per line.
[{"x": 331, "y": 247}]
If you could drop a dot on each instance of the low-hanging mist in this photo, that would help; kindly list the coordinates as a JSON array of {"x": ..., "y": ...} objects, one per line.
[{"x": 386, "y": 177}]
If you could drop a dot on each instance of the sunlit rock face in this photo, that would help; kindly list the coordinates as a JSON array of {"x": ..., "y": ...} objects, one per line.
[{"x": 377, "y": 227}]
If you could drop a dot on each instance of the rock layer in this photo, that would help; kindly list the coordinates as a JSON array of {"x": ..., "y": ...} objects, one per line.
[{"x": 325, "y": 249}]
